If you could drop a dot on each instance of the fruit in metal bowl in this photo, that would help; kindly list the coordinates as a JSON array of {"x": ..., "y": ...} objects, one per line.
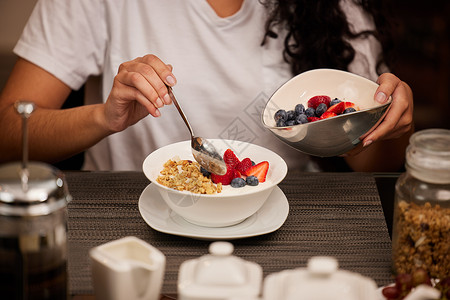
[
  {"x": 319, "y": 107},
  {"x": 327, "y": 136}
]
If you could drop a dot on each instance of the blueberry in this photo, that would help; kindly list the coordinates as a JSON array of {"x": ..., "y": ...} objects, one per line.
[
  {"x": 301, "y": 119},
  {"x": 253, "y": 163},
  {"x": 290, "y": 123},
  {"x": 281, "y": 115},
  {"x": 205, "y": 172},
  {"x": 310, "y": 112},
  {"x": 252, "y": 180},
  {"x": 321, "y": 109},
  {"x": 349, "y": 110},
  {"x": 291, "y": 115},
  {"x": 335, "y": 101},
  {"x": 238, "y": 182},
  {"x": 299, "y": 109},
  {"x": 281, "y": 123}
]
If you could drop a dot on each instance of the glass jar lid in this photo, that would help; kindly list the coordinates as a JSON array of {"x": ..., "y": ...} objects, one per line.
[
  {"x": 428, "y": 155},
  {"x": 36, "y": 190}
]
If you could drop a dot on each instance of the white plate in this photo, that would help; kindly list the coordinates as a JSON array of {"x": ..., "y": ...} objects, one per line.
[
  {"x": 160, "y": 217},
  {"x": 380, "y": 293},
  {"x": 419, "y": 292}
]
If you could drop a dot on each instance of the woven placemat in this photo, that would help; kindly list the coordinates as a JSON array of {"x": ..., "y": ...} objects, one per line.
[{"x": 333, "y": 214}]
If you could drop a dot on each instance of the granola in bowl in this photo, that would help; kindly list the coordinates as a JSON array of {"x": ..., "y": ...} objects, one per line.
[
  {"x": 185, "y": 175},
  {"x": 230, "y": 206}
]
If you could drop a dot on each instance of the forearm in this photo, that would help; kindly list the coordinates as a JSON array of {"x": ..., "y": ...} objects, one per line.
[
  {"x": 381, "y": 156},
  {"x": 53, "y": 134},
  {"x": 56, "y": 134}
]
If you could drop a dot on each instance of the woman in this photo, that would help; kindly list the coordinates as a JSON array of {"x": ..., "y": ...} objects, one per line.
[
  {"x": 320, "y": 35},
  {"x": 223, "y": 74}
]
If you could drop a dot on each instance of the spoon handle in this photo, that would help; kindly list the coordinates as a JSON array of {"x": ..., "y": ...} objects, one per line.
[{"x": 180, "y": 110}]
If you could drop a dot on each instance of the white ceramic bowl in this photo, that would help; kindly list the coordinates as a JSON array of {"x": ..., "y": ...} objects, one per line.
[
  {"x": 232, "y": 205},
  {"x": 332, "y": 136}
]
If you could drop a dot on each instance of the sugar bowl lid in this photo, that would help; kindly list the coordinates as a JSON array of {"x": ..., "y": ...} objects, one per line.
[
  {"x": 38, "y": 189},
  {"x": 219, "y": 275},
  {"x": 321, "y": 279}
]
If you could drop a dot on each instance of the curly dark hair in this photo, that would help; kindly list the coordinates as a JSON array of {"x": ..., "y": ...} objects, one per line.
[{"x": 317, "y": 32}]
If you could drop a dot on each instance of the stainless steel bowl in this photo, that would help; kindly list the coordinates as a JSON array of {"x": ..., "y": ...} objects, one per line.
[{"x": 332, "y": 136}]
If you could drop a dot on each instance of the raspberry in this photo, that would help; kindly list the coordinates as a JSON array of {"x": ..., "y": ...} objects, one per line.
[
  {"x": 244, "y": 165},
  {"x": 230, "y": 158},
  {"x": 224, "y": 179}
]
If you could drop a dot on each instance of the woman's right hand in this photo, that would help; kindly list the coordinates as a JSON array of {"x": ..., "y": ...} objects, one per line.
[{"x": 139, "y": 89}]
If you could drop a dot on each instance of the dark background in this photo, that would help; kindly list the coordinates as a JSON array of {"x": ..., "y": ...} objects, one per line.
[{"x": 422, "y": 50}]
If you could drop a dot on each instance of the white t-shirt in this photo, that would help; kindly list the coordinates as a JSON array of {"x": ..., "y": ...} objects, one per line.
[{"x": 224, "y": 74}]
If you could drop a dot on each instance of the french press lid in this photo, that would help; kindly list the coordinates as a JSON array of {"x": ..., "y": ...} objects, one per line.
[
  {"x": 44, "y": 192},
  {"x": 30, "y": 189}
]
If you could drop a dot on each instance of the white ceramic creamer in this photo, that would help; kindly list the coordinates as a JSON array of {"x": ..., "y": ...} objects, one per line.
[{"x": 128, "y": 268}]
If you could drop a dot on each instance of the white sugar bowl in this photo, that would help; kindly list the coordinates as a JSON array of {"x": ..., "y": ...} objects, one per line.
[
  {"x": 219, "y": 275},
  {"x": 319, "y": 281}
]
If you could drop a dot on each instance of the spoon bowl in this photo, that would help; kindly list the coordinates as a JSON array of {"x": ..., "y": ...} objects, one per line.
[
  {"x": 206, "y": 155},
  {"x": 203, "y": 150}
]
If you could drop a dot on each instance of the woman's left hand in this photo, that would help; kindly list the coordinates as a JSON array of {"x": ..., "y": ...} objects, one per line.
[
  {"x": 390, "y": 138},
  {"x": 399, "y": 119}
]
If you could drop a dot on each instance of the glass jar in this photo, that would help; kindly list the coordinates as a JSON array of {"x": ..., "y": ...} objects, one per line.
[{"x": 421, "y": 226}]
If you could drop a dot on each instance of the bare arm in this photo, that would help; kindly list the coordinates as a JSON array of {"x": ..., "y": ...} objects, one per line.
[
  {"x": 56, "y": 134},
  {"x": 382, "y": 156}
]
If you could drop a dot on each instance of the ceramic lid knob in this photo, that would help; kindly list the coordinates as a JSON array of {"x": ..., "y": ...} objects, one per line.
[
  {"x": 221, "y": 248},
  {"x": 322, "y": 265}
]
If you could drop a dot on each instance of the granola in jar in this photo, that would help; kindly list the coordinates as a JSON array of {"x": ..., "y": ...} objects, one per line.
[
  {"x": 423, "y": 239},
  {"x": 421, "y": 225}
]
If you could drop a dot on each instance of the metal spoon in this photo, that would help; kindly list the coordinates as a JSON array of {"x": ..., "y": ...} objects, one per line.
[{"x": 202, "y": 149}]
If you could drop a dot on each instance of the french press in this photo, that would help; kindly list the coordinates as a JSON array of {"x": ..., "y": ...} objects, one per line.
[{"x": 33, "y": 226}]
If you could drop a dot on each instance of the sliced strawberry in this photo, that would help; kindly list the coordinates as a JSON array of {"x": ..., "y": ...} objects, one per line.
[
  {"x": 244, "y": 165},
  {"x": 230, "y": 158},
  {"x": 348, "y": 104},
  {"x": 259, "y": 170},
  {"x": 224, "y": 179},
  {"x": 316, "y": 100},
  {"x": 337, "y": 108},
  {"x": 327, "y": 115},
  {"x": 312, "y": 119}
]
